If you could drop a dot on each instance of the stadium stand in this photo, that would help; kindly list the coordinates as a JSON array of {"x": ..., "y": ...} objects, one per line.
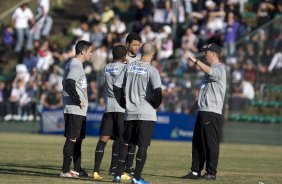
[{"x": 249, "y": 48}]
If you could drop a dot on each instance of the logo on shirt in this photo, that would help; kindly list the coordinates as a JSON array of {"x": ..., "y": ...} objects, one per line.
[
  {"x": 204, "y": 82},
  {"x": 137, "y": 69},
  {"x": 83, "y": 83},
  {"x": 112, "y": 70}
]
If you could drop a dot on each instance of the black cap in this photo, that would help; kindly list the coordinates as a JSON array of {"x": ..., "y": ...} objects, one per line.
[{"x": 213, "y": 47}]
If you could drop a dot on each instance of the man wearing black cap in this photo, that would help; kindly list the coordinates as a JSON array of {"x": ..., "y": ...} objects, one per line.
[{"x": 206, "y": 136}]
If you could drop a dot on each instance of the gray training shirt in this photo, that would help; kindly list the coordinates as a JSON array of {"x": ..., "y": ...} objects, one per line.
[
  {"x": 74, "y": 70},
  {"x": 212, "y": 92},
  {"x": 140, "y": 79},
  {"x": 132, "y": 59},
  {"x": 111, "y": 72}
]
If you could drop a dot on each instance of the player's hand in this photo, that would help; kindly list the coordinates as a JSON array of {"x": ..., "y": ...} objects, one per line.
[
  {"x": 82, "y": 104},
  {"x": 188, "y": 56}
]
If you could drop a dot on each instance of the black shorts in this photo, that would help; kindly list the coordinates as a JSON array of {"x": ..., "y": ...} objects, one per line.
[
  {"x": 75, "y": 126},
  {"x": 112, "y": 124},
  {"x": 138, "y": 132}
]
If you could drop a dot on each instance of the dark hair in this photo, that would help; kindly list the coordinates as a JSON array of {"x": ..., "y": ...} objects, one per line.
[
  {"x": 81, "y": 46},
  {"x": 119, "y": 51},
  {"x": 133, "y": 36}
]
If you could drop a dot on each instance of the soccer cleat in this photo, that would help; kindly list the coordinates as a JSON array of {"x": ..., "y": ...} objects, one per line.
[
  {"x": 68, "y": 175},
  {"x": 192, "y": 175},
  {"x": 97, "y": 176},
  {"x": 208, "y": 176},
  {"x": 117, "y": 179},
  {"x": 125, "y": 176},
  {"x": 82, "y": 173},
  {"x": 141, "y": 181}
]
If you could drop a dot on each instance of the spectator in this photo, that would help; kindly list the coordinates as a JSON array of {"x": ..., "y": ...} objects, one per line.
[
  {"x": 96, "y": 36},
  {"x": 107, "y": 14},
  {"x": 99, "y": 58},
  {"x": 12, "y": 106},
  {"x": 117, "y": 25},
  {"x": 26, "y": 103},
  {"x": 164, "y": 15},
  {"x": 45, "y": 57},
  {"x": 189, "y": 41},
  {"x": 82, "y": 32},
  {"x": 51, "y": 98},
  {"x": 92, "y": 94},
  {"x": 242, "y": 92},
  {"x": 230, "y": 36},
  {"x": 22, "y": 19},
  {"x": 264, "y": 12},
  {"x": 22, "y": 73},
  {"x": 276, "y": 61},
  {"x": 147, "y": 34},
  {"x": 3, "y": 93},
  {"x": 164, "y": 43},
  {"x": 56, "y": 77},
  {"x": 43, "y": 20},
  {"x": 7, "y": 37},
  {"x": 29, "y": 60}
]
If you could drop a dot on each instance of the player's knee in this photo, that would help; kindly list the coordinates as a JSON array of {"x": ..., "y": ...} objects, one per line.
[
  {"x": 105, "y": 138},
  {"x": 142, "y": 150},
  {"x": 132, "y": 148}
]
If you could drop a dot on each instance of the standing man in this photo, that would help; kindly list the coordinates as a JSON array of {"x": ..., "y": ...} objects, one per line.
[
  {"x": 207, "y": 131},
  {"x": 112, "y": 125},
  {"x": 22, "y": 20},
  {"x": 133, "y": 43},
  {"x": 43, "y": 20},
  {"x": 75, "y": 108},
  {"x": 141, "y": 85}
]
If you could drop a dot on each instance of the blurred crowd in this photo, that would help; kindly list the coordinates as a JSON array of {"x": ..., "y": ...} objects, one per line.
[{"x": 174, "y": 26}]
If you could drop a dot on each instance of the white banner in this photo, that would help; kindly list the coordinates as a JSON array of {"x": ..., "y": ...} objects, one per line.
[{"x": 53, "y": 121}]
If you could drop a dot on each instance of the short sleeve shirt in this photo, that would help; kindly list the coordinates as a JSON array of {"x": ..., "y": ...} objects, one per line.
[
  {"x": 22, "y": 17},
  {"x": 74, "y": 70},
  {"x": 140, "y": 79},
  {"x": 111, "y": 73}
]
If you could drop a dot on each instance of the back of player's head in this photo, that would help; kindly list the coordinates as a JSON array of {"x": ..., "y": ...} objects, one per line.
[
  {"x": 133, "y": 36},
  {"x": 119, "y": 52},
  {"x": 148, "y": 48},
  {"x": 82, "y": 45}
]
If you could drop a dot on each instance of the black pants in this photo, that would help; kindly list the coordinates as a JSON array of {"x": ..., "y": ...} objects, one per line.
[{"x": 205, "y": 143}]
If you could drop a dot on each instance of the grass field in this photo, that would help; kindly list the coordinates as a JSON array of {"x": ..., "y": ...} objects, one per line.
[{"x": 32, "y": 158}]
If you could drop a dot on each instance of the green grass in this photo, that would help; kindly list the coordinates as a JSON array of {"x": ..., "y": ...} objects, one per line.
[{"x": 32, "y": 158}]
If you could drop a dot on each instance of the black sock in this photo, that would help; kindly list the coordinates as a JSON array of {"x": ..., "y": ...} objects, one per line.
[
  {"x": 121, "y": 159},
  {"x": 77, "y": 155},
  {"x": 115, "y": 150},
  {"x": 141, "y": 157},
  {"x": 68, "y": 154},
  {"x": 99, "y": 153},
  {"x": 130, "y": 158}
]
